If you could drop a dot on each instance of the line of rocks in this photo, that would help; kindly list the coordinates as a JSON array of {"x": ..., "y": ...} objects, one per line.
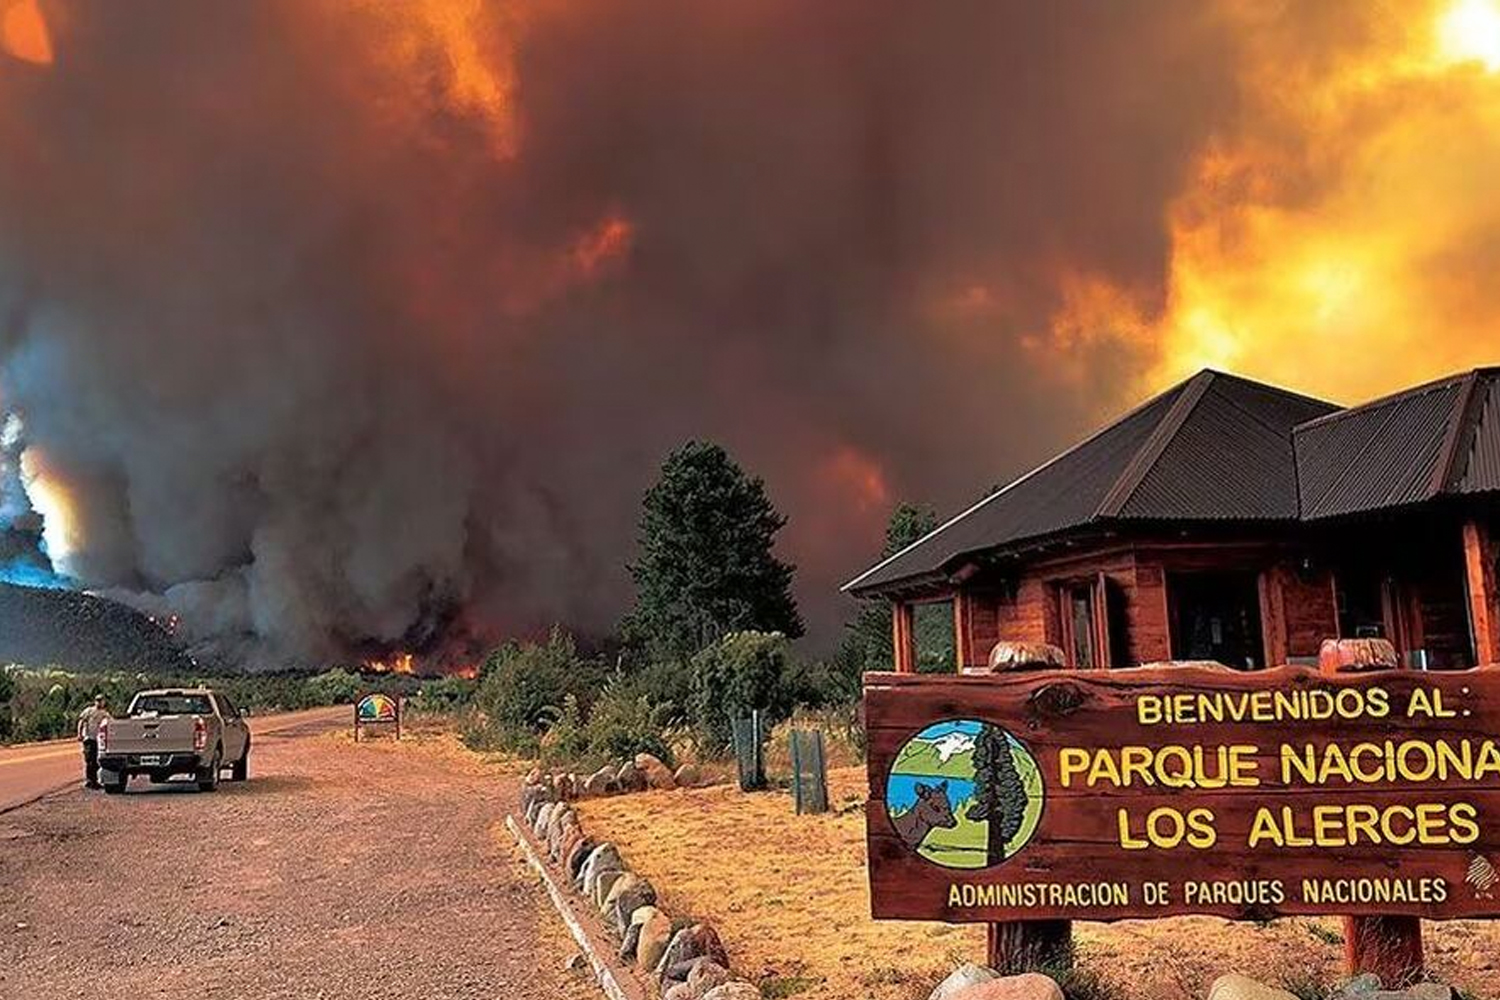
[
  {"x": 646, "y": 771},
  {"x": 976, "y": 982},
  {"x": 1363, "y": 987},
  {"x": 685, "y": 959}
]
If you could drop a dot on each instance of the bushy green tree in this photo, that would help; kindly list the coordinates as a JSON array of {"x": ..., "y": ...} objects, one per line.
[
  {"x": 706, "y": 566},
  {"x": 742, "y": 672},
  {"x": 523, "y": 686}
]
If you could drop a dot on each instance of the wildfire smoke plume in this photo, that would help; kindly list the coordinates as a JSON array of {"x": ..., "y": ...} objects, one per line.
[{"x": 339, "y": 328}]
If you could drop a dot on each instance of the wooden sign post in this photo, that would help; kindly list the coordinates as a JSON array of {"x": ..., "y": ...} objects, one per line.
[{"x": 1144, "y": 793}]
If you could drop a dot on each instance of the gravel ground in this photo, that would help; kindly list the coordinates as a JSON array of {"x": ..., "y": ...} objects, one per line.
[{"x": 338, "y": 871}]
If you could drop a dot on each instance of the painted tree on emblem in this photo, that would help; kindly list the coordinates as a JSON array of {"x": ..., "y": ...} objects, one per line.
[{"x": 999, "y": 794}]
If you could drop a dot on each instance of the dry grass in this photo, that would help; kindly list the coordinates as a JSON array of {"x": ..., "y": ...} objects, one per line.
[
  {"x": 789, "y": 897},
  {"x": 787, "y": 893}
]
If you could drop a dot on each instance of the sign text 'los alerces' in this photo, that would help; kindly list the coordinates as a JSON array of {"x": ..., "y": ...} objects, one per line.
[{"x": 1140, "y": 793}]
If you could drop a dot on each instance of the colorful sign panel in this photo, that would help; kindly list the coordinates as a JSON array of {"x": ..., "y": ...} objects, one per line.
[
  {"x": 377, "y": 708},
  {"x": 1104, "y": 795}
]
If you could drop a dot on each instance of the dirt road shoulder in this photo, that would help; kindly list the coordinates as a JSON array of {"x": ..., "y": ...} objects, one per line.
[{"x": 338, "y": 871}]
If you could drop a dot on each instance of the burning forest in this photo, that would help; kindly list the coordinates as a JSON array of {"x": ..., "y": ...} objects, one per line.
[{"x": 353, "y": 331}]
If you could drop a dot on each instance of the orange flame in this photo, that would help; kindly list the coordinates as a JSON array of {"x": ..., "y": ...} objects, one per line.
[
  {"x": 400, "y": 663},
  {"x": 24, "y": 34}
]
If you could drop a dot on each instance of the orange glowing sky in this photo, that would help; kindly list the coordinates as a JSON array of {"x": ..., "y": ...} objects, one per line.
[
  {"x": 23, "y": 32},
  {"x": 1341, "y": 236}
]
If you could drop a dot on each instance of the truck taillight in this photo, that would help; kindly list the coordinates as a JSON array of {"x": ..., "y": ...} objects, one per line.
[
  {"x": 200, "y": 733},
  {"x": 103, "y": 734}
]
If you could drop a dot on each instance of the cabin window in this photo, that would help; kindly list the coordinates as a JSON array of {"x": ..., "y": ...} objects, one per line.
[
  {"x": 1216, "y": 616},
  {"x": 1361, "y": 606}
]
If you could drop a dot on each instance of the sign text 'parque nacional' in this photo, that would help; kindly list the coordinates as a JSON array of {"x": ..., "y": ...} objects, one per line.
[{"x": 1139, "y": 793}]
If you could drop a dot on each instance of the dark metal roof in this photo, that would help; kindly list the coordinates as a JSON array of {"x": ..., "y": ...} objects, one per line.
[
  {"x": 1231, "y": 459},
  {"x": 1214, "y": 447},
  {"x": 1481, "y": 471},
  {"x": 1218, "y": 447},
  {"x": 1402, "y": 449}
]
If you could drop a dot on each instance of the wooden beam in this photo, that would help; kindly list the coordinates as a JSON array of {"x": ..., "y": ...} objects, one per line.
[
  {"x": 1015, "y": 946},
  {"x": 1484, "y": 611},
  {"x": 1273, "y": 617},
  {"x": 1029, "y": 946},
  {"x": 903, "y": 638},
  {"x": 1103, "y": 658},
  {"x": 963, "y": 652},
  {"x": 1390, "y": 947}
]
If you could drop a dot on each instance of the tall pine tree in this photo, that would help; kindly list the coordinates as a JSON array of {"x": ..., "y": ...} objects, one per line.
[
  {"x": 999, "y": 794},
  {"x": 706, "y": 565}
]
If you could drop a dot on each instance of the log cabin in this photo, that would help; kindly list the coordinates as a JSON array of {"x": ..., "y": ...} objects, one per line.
[{"x": 1232, "y": 521}]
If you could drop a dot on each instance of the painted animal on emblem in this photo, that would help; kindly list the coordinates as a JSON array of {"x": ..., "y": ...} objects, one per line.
[{"x": 932, "y": 811}]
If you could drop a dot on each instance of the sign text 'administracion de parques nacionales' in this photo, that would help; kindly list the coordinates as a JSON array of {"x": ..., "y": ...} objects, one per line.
[{"x": 1137, "y": 793}]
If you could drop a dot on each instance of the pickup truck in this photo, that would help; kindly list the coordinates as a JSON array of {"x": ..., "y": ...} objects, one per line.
[{"x": 174, "y": 731}]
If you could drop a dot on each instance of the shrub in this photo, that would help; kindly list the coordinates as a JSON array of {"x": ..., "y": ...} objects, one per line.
[
  {"x": 7, "y": 690},
  {"x": 334, "y": 687},
  {"x": 446, "y": 694},
  {"x": 523, "y": 687},
  {"x": 741, "y": 673},
  {"x": 624, "y": 723}
]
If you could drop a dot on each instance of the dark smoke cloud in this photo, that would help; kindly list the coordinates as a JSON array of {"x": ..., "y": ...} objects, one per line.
[{"x": 325, "y": 369}]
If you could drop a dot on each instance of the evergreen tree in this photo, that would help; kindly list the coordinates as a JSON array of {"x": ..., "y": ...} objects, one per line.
[
  {"x": 706, "y": 566},
  {"x": 870, "y": 632},
  {"x": 999, "y": 793}
]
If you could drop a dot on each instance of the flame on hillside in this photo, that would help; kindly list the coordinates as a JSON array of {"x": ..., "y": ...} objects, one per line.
[
  {"x": 409, "y": 664},
  {"x": 400, "y": 663}
]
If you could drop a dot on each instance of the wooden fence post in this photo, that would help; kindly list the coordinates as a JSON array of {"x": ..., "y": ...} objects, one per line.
[
  {"x": 1016, "y": 946},
  {"x": 1390, "y": 947}
]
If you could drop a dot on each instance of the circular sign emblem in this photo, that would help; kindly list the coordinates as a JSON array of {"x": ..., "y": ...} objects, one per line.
[{"x": 964, "y": 794}]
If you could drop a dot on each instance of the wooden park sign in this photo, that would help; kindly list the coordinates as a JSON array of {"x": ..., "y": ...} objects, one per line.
[{"x": 1105, "y": 795}]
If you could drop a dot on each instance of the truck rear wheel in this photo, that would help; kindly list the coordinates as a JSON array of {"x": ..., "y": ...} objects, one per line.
[
  {"x": 208, "y": 780},
  {"x": 114, "y": 783}
]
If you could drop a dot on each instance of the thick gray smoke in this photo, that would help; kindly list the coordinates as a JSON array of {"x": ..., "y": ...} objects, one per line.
[{"x": 336, "y": 349}]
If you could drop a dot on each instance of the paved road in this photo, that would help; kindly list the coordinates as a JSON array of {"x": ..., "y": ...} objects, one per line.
[{"x": 31, "y": 770}]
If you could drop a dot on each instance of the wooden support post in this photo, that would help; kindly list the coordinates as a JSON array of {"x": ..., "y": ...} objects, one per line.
[
  {"x": 963, "y": 653},
  {"x": 1484, "y": 611},
  {"x": 1016, "y": 946},
  {"x": 903, "y": 638},
  {"x": 1029, "y": 946},
  {"x": 1273, "y": 617},
  {"x": 1390, "y": 947}
]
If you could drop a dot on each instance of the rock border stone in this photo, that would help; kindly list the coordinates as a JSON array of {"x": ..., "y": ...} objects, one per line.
[{"x": 687, "y": 960}]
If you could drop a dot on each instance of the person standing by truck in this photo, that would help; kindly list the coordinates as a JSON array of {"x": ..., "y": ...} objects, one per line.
[{"x": 88, "y": 735}]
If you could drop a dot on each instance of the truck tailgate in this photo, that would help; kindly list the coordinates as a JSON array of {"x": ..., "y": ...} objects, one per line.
[{"x": 148, "y": 734}]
